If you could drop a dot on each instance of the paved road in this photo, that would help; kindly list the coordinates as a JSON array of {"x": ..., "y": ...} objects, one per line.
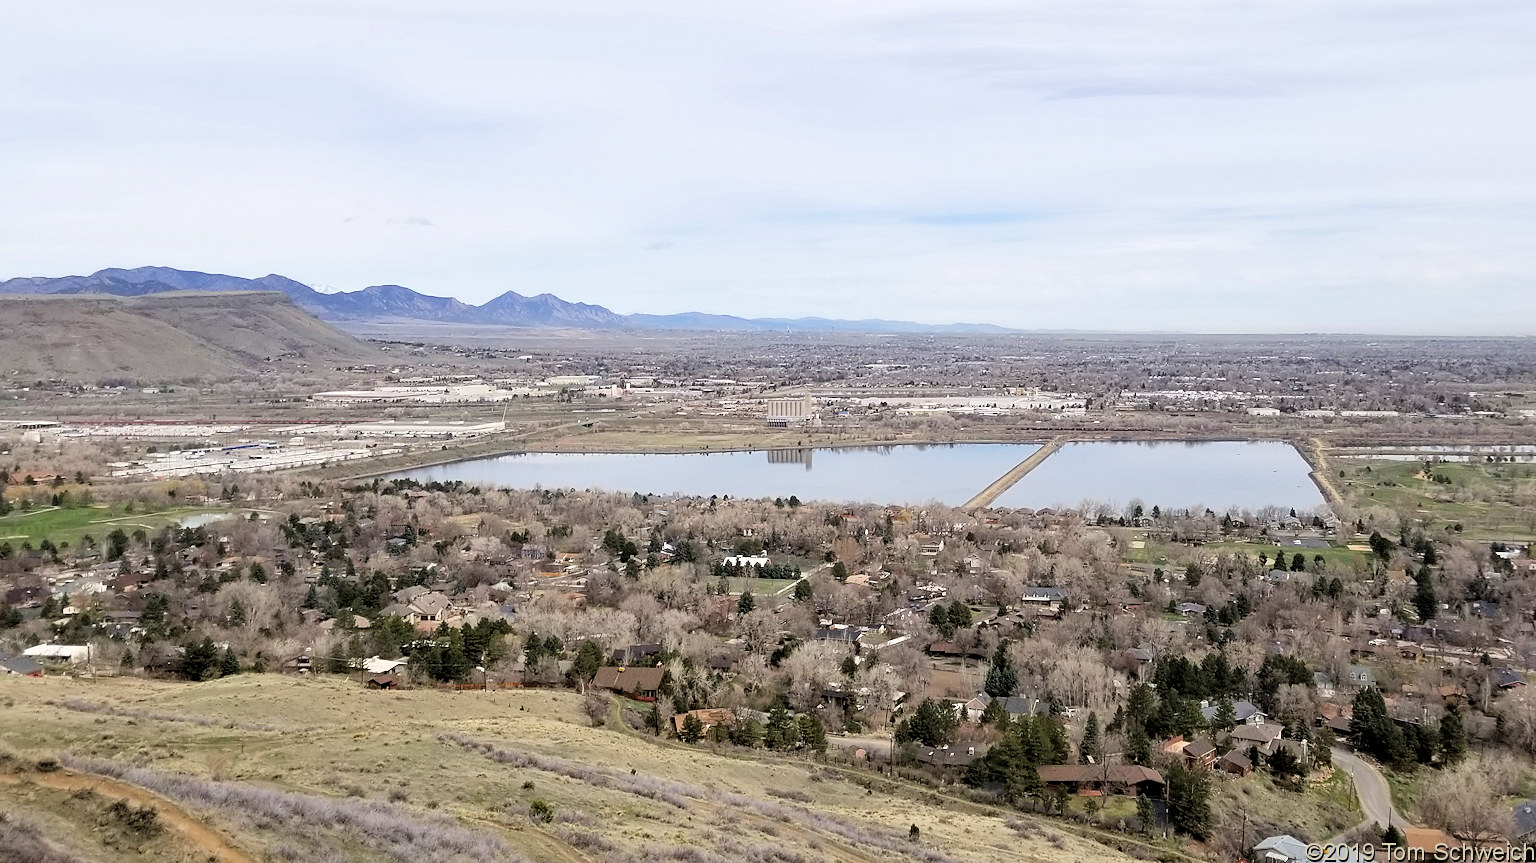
[{"x": 1371, "y": 786}]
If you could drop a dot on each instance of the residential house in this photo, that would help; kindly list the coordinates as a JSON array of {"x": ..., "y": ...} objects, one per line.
[
  {"x": 1289, "y": 849},
  {"x": 1361, "y": 676},
  {"x": 1506, "y": 678},
  {"x": 841, "y": 633},
  {"x": 302, "y": 664},
  {"x": 977, "y": 706},
  {"x": 708, "y": 717},
  {"x": 1190, "y": 609},
  {"x": 1264, "y": 738},
  {"x": 642, "y": 683},
  {"x": 1051, "y": 597},
  {"x": 384, "y": 681},
  {"x": 1096, "y": 779},
  {"x": 949, "y": 649},
  {"x": 20, "y": 666},
  {"x": 71, "y": 654},
  {"x": 1245, "y": 712},
  {"x": 1235, "y": 763},
  {"x": 1199, "y": 754},
  {"x": 1335, "y": 716},
  {"x": 1142, "y": 655},
  {"x": 376, "y": 666},
  {"x": 636, "y": 654},
  {"x": 1323, "y": 682},
  {"x": 1023, "y": 705}
]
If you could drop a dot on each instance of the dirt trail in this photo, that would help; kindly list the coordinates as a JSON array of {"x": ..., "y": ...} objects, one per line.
[
  {"x": 1314, "y": 455},
  {"x": 194, "y": 831}
]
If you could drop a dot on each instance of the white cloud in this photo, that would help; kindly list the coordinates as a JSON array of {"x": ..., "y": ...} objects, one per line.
[{"x": 1184, "y": 165}]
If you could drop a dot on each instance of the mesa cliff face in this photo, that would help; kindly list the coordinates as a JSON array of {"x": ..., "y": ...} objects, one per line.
[{"x": 163, "y": 337}]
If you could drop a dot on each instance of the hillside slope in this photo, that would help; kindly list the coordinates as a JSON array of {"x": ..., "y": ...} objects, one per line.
[
  {"x": 294, "y": 768},
  {"x": 162, "y": 337}
]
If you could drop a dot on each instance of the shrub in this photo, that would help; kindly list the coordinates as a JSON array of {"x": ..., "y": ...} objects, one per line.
[
  {"x": 139, "y": 819},
  {"x": 539, "y": 811},
  {"x": 25, "y": 842},
  {"x": 596, "y": 705}
]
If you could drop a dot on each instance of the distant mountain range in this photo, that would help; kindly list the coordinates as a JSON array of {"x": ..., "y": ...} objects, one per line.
[{"x": 396, "y": 303}]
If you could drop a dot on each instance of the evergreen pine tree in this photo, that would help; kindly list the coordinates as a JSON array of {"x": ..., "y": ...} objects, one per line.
[
  {"x": 1226, "y": 715},
  {"x": 1189, "y": 809},
  {"x": 812, "y": 735},
  {"x": 1089, "y": 750},
  {"x": 1145, "y": 813},
  {"x": 229, "y": 665},
  {"x": 1453, "y": 737},
  {"x": 1424, "y": 601},
  {"x": 1002, "y": 677},
  {"x": 1138, "y": 746},
  {"x": 199, "y": 659}
]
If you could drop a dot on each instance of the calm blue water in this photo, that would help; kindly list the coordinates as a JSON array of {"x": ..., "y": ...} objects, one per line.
[
  {"x": 908, "y": 474},
  {"x": 1173, "y": 475},
  {"x": 1222, "y": 475}
]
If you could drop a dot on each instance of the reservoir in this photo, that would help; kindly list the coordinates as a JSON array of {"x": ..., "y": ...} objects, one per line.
[
  {"x": 1219, "y": 475},
  {"x": 1225, "y": 475},
  {"x": 906, "y": 474}
]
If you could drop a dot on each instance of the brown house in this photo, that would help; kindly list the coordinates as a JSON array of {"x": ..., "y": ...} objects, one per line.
[
  {"x": 709, "y": 717},
  {"x": 1095, "y": 779},
  {"x": 1199, "y": 754},
  {"x": 1235, "y": 764},
  {"x": 384, "y": 681},
  {"x": 948, "y": 648},
  {"x": 634, "y": 682}
]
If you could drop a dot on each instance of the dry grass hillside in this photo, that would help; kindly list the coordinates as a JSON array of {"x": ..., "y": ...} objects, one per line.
[
  {"x": 163, "y": 338},
  {"x": 268, "y": 768}
]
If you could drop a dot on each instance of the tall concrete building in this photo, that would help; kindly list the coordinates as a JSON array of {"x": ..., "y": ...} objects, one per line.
[{"x": 787, "y": 412}]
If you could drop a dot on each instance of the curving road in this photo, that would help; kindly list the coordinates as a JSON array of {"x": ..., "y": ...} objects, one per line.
[{"x": 1371, "y": 787}]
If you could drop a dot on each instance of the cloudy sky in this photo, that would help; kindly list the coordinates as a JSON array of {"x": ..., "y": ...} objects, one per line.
[{"x": 1362, "y": 166}]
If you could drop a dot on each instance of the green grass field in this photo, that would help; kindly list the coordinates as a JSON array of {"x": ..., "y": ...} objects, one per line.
[
  {"x": 759, "y": 586},
  {"x": 68, "y": 525},
  {"x": 1490, "y": 501},
  {"x": 1338, "y": 558}
]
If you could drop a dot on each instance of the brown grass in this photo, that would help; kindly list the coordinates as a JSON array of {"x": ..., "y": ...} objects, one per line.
[{"x": 389, "y": 747}]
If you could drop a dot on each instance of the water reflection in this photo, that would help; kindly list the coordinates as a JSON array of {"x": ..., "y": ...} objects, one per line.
[{"x": 791, "y": 456}]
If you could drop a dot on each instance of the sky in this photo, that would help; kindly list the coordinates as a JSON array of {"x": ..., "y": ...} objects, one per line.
[{"x": 1256, "y": 166}]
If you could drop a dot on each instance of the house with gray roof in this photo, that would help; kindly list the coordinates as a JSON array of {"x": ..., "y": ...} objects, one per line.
[{"x": 1246, "y": 712}]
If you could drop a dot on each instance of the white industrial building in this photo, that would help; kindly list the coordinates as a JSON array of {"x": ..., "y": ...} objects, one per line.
[{"x": 789, "y": 411}]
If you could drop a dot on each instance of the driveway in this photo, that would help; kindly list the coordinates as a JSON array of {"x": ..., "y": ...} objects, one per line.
[
  {"x": 1371, "y": 786},
  {"x": 879, "y": 748}
]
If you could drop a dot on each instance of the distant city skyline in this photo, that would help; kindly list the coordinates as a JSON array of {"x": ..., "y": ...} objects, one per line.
[{"x": 1189, "y": 166}]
